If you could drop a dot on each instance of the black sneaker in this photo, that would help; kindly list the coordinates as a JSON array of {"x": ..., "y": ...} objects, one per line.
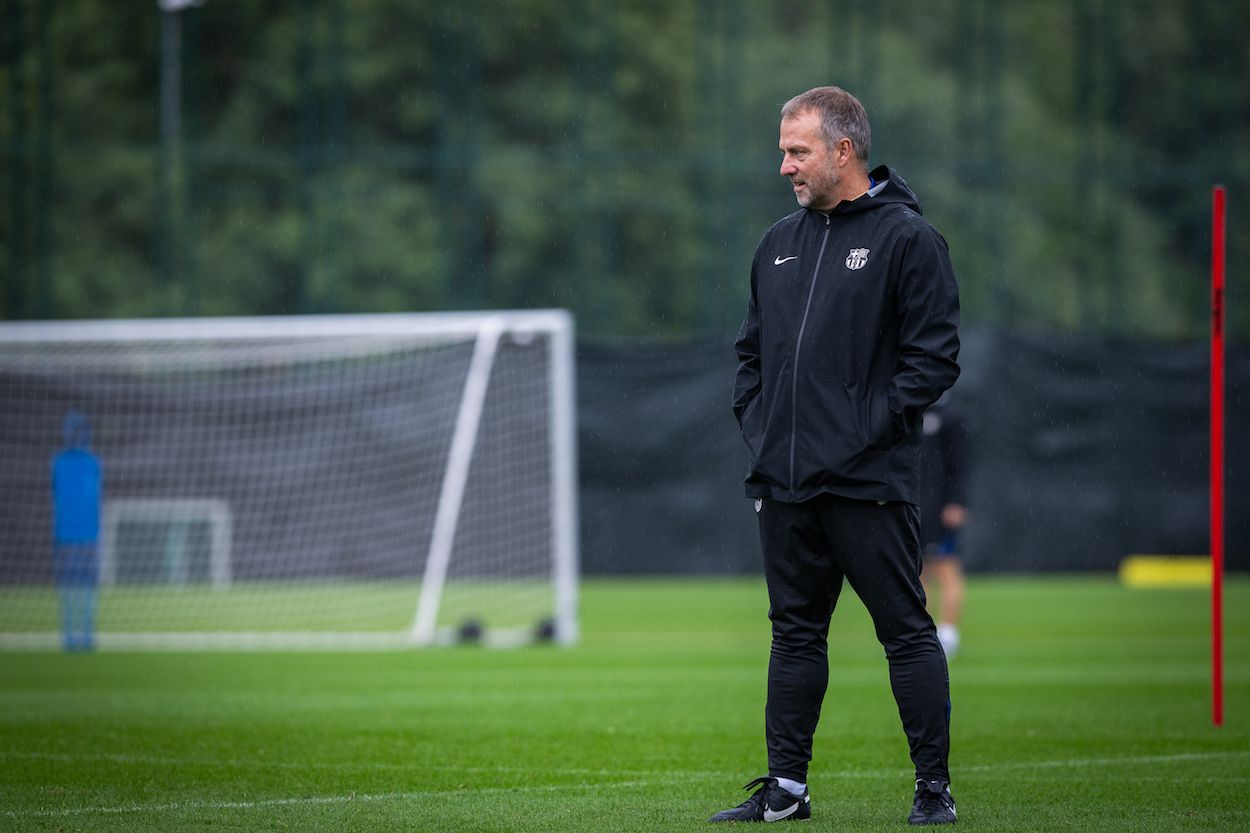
[
  {"x": 933, "y": 805},
  {"x": 770, "y": 803}
]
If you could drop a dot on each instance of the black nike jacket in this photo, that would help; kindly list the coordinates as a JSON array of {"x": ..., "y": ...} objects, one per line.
[{"x": 851, "y": 332}]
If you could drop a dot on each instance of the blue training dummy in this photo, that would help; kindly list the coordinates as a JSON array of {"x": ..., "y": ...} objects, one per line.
[{"x": 76, "y": 492}]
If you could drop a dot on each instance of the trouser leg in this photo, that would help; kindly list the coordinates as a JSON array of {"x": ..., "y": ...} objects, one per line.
[
  {"x": 77, "y": 576},
  {"x": 66, "y": 595},
  {"x": 86, "y": 614},
  {"x": 803, "y": 586},
  {"x": 877, "y": 547},
  {"x": 63, "y": 567}
]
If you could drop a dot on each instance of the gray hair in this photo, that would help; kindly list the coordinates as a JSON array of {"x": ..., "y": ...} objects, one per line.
[{"x": 841, "y": 116}]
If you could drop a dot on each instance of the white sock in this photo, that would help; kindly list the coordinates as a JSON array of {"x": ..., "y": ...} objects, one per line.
[
  {"x": 948, "y": 635},
  {"x": 790, "y": 786}
]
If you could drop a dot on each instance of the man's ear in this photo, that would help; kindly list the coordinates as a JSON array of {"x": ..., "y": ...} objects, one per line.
[{"x": 844, "y": 151}]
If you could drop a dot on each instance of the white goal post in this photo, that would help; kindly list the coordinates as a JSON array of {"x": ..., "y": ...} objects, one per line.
[{"x": 331, "y": 481}]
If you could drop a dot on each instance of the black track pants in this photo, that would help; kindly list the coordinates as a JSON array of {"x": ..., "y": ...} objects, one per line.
[{"x": 808, "y": 548}]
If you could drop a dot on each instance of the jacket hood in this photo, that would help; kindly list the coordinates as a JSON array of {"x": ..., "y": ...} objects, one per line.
[{"x": 890, "y": 188}]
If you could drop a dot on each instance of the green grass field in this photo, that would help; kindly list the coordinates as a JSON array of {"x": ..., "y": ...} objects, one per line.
[{"x": 1078, "y": 705}]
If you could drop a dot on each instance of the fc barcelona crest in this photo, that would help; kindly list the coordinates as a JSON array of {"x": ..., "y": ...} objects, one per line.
[{"x": 857, "y": 259}]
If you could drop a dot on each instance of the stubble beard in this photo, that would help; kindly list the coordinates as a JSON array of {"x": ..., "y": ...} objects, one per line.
[{"x": 821, "y": 188}]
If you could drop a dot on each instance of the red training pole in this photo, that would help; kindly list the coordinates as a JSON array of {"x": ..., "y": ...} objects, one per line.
[{"x": 1217, "y": 456}]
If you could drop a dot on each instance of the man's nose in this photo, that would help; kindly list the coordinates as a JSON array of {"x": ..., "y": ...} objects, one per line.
[{"x": 788, "y": 168}]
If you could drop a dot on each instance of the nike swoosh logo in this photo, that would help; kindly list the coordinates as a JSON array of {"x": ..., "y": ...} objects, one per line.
[
  {"x": 781, "y": 260},
  {"x": 778, "y": 815}
]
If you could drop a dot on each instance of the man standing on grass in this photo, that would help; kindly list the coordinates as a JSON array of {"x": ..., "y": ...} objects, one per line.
[
  {"x": 851, "y": 332},
  {"x": 943, "y": 514}
]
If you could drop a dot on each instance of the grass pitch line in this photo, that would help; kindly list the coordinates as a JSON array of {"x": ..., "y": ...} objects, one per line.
[
  {"x": 1069, "y": 763},
  {"x": 1178, "y": 757},
  {"x": 308, "y": 801},
  {"x": 413, "y": 795},
  {"x": 152, "y": 760}
]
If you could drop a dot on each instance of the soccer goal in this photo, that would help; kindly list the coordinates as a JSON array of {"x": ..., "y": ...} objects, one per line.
[{"x": 370, "y": 481}]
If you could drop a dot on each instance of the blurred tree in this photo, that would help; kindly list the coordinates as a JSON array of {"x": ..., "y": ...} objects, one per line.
[{"x": 614, "y": 158}]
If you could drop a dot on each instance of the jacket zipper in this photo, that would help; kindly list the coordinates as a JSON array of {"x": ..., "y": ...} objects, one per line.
[{"x": 798, "y": 345}]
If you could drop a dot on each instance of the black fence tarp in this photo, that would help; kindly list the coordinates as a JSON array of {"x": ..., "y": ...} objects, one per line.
[{"x": 1086, "y": 450}]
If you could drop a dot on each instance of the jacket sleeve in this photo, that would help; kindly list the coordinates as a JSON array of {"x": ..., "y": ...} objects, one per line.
[
  {"x": 747, "y": 383},
  {"x": 928, "y": 310}
]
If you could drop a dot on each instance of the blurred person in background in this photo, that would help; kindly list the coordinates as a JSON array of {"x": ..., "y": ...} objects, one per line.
[
  {"x": 851, "y": 332},
  {"x": 943, "y": 514},
  {"x": 76, "y": 495}
]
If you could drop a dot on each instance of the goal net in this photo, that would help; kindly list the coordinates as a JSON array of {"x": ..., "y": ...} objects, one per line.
[{"x": 366, "y": 481}]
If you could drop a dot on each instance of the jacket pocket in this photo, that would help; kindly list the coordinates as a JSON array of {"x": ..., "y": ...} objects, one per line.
[
  {"x": 753, "y": 429},
  {"x": 834, "y": 427},
  {"x": 881, "y": 430}
]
